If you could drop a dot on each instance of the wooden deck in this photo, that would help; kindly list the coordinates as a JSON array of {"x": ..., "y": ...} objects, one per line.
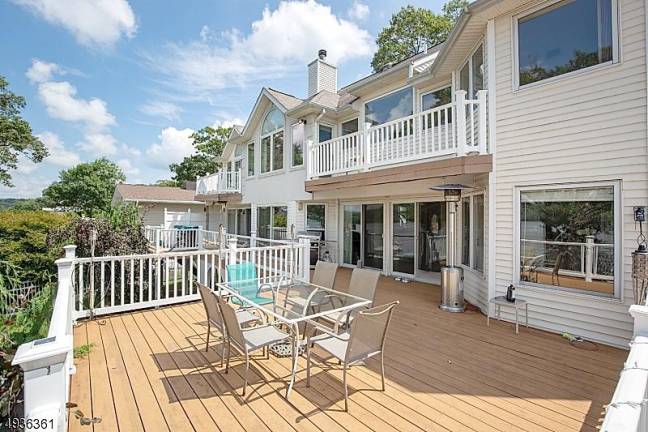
[{"x": 149, "y": 371}]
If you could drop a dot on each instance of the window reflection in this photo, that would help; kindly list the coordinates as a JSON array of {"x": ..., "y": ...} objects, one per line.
[{"x": 390, "y": 107}]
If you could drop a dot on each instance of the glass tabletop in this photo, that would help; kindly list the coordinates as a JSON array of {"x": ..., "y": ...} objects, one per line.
[{"x": 292, "y": 300}]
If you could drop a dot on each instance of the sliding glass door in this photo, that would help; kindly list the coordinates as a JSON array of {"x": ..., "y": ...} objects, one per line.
[
  {"x": 373, "y": 235},
  {"x": 352, "y": 233},
  {"x": 403, "y": 238},
  {"x": 431, "y": 236}
]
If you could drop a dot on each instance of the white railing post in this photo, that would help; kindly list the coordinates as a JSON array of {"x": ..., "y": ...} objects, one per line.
[
  {"x": 253, "y": 237},
  {"x": 481, "y": 97},
  {"x": 367, "y": 146},
  {"x": 47, "y": 363},
  {"x": 222, "y": 236},
  {"x": 309, "y": 163},
  {"x": 460, "y": 113},
  {"x": 200, "y": 238},
  {"x": 232, "y": 246},
  {"x": 589, "y": 257},
  {"x": 156, "y": 237},
  {"x": 304, "y": 260}
]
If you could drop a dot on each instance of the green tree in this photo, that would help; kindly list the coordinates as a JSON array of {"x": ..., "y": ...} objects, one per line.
[
  {"x": 16, "y": 136},
  {"x": 412, "y": 30},
  {"x": 209, "y": 144},
  {"x": 167, "y": 183},
  {"x": 86, "y": 188}
]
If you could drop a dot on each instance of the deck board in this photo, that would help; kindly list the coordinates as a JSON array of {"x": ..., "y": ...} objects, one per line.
[{"x": 148, "y": 370}]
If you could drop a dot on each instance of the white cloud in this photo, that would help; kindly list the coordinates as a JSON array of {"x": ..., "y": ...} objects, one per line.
[
  {"x": 358, "y": 11},
  {"x": 228, "y": 123},
  {"x": 205, "y": 33},
  {"x": 127, "y": 167},
  {"x": 99, "y": 144},
  {"x": 166, "y": 110},
  {"x": 58, "y": 154},
  {"x": 284, "y": 40},
  {"x": 93, "y": 23},
  {"x": 61, "y": 102},
  {"x": 41, "y": 71},
  {"x": 174, "y": 144}
]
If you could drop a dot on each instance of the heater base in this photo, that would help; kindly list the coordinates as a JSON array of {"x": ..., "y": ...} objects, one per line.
[{"x": 453, "y": 309}]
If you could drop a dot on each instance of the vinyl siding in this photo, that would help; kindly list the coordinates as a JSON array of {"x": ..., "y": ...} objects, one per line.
[{"x": 590, "y": 126}]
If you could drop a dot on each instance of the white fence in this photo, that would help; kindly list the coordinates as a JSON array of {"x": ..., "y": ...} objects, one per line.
[
  {"x": 455, "y": 128},
  {"x": 174, "y": 238},
  {"x": 628, "y": 409},
  {"x": 219, "y": 183},
  {"x": 96, "y": 286}
]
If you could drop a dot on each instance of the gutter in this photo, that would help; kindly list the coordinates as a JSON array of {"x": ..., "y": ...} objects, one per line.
[{"x": 154, "y": 201}]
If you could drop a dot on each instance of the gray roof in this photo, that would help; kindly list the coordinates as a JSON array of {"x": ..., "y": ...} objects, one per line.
[
  {"x": 138, "y": 192},
  {"x": 288, "y": 101}
]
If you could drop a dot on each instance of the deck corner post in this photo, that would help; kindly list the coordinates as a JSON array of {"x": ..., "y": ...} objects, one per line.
[
  {"x": 481, "y": 97},
  {"x": 640, "y": 315},
  {"x": 232, "y": 246}
]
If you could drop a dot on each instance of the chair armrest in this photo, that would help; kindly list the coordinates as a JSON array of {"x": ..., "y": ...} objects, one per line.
[{"x": 330, "y": 333}]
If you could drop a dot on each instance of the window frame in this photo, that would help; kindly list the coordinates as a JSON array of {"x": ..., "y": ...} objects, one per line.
[
  {"x": 271, "y": 135},
  {"x": 323, "y": 230},
  {"x": 616, "y": 47},
  {"x": 251, "y": 144},
  {"x": 292, "y": 144},
  {"x": 468, "y": 61},
  {"x": 341, "y": 131},
  {"x": 434, "y": 90},
  {"x": 471, "y": 232},
  {"x": 364, "y": 104},
  {"x": 328, "y": 125},
  {"x": 272, "y": 226},
  {"x": 618, "y": 241}
]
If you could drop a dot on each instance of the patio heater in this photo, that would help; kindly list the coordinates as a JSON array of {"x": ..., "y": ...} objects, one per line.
[{"x": 452, "y": 292}]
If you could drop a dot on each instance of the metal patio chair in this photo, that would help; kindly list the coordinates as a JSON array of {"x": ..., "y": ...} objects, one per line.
[
  {"x": 243, "y": 278},
  {"x": 247, "y": 340},
  {"x": 366, "y": 339},
  {"x": 215, "y": 318}
]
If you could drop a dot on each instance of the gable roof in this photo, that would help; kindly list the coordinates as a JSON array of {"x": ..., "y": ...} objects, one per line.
[
  {"x": 286, "y": 100},
  {"x": 148, "y": 193}
]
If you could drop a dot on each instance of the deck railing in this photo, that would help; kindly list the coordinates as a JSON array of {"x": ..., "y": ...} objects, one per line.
[
  {"x": 163, "y": 239},
  {"x": 456, "y": 128},
  {"x": 89, "y": 287},
  {"x": 628, "y": 409},
  {"x": 222, "y": 182}
]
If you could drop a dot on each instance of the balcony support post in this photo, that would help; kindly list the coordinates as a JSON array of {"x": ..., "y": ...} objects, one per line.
[
  {"x": 483, "y": 109},
  {"x": 367, "y": 146},
  {"x": 460, "y": 97}
]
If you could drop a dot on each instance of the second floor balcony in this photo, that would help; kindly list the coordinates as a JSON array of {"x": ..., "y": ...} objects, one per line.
[
  {"x": 455, "y": 129},
  {"x": 222, "y": 184}
]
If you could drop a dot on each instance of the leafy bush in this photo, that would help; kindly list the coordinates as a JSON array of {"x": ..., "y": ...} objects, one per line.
[{"x": 23, "y": 243}]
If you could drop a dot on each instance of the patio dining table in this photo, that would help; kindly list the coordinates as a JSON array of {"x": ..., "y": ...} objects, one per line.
[{"x": 296, "y": 303}]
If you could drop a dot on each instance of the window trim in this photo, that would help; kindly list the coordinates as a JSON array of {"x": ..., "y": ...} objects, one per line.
[
  {"x": 325, "y": 216},
  {"x": 618, "y": 295},
  {"x": 292, "y": 145},
  {"x": 272, "y": 226},
  {"x": 247, "y": 160},
  {"x": 616, "y": 47},
  {"x": 364, "y": 104},
  {"x": 471, "y": 234},
  {"x": 436, "y": 89},
  {"x": 271, "y": 134}
]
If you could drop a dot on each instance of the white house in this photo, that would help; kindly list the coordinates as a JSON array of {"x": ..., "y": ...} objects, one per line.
[
  {"x": 538, "y": 106},
  {"x": 164, "y": 206}
]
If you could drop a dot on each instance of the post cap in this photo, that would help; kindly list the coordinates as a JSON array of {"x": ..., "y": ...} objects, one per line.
[{"x": 70, "y": 251}]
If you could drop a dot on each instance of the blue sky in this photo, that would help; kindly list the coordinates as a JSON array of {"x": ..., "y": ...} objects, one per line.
[{"x": 130, "y": 80}]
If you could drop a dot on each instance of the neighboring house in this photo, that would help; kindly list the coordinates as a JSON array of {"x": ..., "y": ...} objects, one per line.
[
  {"x": 539, "y": 106},
  {"x": 165, "y": 206}
]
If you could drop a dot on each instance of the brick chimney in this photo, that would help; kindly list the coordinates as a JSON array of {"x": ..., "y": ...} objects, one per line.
[{"x": 321, "y": 75}]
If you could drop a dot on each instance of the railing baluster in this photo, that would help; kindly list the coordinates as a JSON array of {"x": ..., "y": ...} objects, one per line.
[
  {"x": 122, "y": 281},
  {"x": 150, "y": 278},
  {"x": 92, "y": 287},
  {"x": 175, "y": 277},
  {"x": 132, "y": 281},
  {"x": 141, "y": 280},
  {"x": 81, "y": 288},
  {"x": 102, "y": 281},
  {"x": 112, "y": 282}
]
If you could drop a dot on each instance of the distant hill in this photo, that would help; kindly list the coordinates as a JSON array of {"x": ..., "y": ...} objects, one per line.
[
  {"x": 7, "y": 203},
  {"x": 21, "y": 203}
]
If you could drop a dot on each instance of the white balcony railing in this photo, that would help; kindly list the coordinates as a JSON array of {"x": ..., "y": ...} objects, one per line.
[
  {"x": 221, "y": 182},
  {"x": 453, "y": 129}
]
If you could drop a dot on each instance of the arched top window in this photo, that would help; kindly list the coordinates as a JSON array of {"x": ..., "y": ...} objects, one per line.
[{"x": 273, "y": 121}]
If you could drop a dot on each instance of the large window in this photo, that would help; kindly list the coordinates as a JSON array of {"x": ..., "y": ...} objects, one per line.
[
  {"x": 564, "y": 37},
  {"x": 325, "y": 133},
  {"x": 567, "y": 238},
  {"x": 390, "y": 107},
  {"x": 272, "y": 141},
  {"x": 472, "y": 234},
  {"x": 298, "y": 144},
  {"x": 349, "y": 127},
  {"x": 471, "y": 76},
  {"x": 436, "y": 99},
  {"x": 250, "y": 159},
  {"x": 272, "y": 222},
  {"x": 239, "y": 221},
  {"x": 316, "y": 220}
]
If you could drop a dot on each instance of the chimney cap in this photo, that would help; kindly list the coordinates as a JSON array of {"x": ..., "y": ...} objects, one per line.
[{"x": 321, "y": 54}]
